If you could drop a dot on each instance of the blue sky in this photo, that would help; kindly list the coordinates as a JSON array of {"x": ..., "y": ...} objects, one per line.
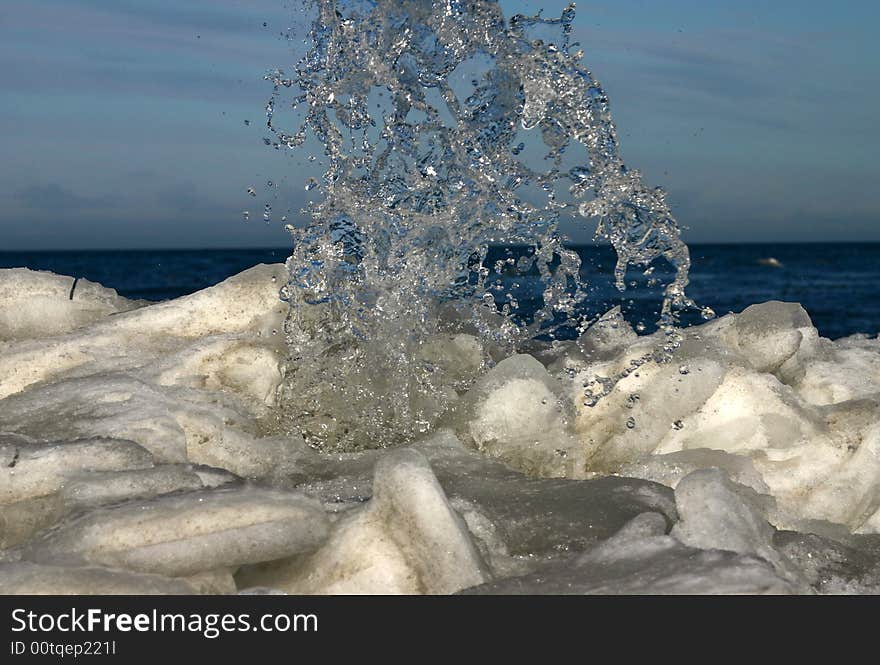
[{"x": 124, "y": 120}]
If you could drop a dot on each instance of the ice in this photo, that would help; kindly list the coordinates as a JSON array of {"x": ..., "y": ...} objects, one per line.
[
  {"x": 212, "y": 582},
  {"x": 655, "y": 397},
  {"x": 407, "y": 540},
  {"x": 670, "y": 468},
  {"x": 245, "y": 306},
  {"x": 189, "y": 380},
  {"x": 830, "y": 566},
  {"x": 848, "y": 369},
  {"x": 758, "y": 394},
  {"x": 639, "y": 559},
  {"x": 95, "y": 488},
  {"x": 513, "y": 518},
  {"x": 850, "y": 495},
  {"x": 771, "y": 335},
  {"x": 176, "y": 425},
  {"x": 113, "y": 434},
  {"x": 36, "y": 304},
  {"x": 516, "y": 413},
  {"x": 460, "y": 357},
  {"x": 716, "y": 514},
  {"x": 186, "y": 534},
  {"x": 22, "y": 519},
  {"x": 607, "y": 337},
  {"x": 38, "y": 469},
  {"x": 748, "y": 411},
  {"x": 42, "y": 495},
  {"x": 115, "y": 406},
  {"x": 229, "y": 364},
  {"x": 34, "y": 579}
]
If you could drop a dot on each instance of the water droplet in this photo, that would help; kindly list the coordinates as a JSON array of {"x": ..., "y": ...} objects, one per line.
[
  {"x": 251, "y": 191},
  {"x": 411, "y": 189},
  {"x": 684, "y": 370},
  {"x": 630, "y": 423},
  {"x": 677, "y": 425}
]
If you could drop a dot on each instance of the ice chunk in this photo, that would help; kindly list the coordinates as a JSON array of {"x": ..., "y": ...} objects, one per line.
[
  {"x": 36, "y": 474},
  {"x": 213, "y": 582},
  {"x": 641, "y": 560},
  {"x": 643, "y": 408},
  {"x": 517, "y": 414},
  {"x": 245, "y": 305},
  {"x": 769, "y": 334},
  {"x": 187, "y": 534},
  {"x": 847, "y": 371},
  {"x": 799, "y": 450},
  {"x": 773, "y": 337},
  {"x": 95, "y": 488},
  {"x": 38, "y": 469},
  {"x": 41, "y": 304},
  {"x": 33, "y": 579},
  {"x": 488, "y": 539},
  {"x": 22, "y": 519},
  {"x": 608, "y": 336},
  {"x": 175, "y": 424},
  {"x": 533, "y": 518},
  {"x": 459, "y": 357},
  {"x": 104, "y": 405},
  {"x": 246, "y": 302},
  {"x": 407, "y": 539},
  {"x": 224, "y": 364},
  {"x": 670, "y": 468},
  {"x": 850, "y": 494},
  {"x": 748, "y": 411},
  {"x": 211, "y": 441},
  {"x": 717, "y": 514}
]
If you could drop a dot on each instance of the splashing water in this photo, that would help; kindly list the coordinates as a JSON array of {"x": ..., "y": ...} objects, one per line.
[{"x": 446, "y": 127}]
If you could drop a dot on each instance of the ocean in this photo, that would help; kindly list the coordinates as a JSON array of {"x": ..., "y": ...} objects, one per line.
[{"x": 836, "y": 283}]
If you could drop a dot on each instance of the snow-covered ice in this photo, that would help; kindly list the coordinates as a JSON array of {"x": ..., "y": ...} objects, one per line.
[{"x": 140, "y": 453}]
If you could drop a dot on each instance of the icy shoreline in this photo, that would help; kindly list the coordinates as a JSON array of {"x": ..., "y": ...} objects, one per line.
[{"x": 137, "y": 456}]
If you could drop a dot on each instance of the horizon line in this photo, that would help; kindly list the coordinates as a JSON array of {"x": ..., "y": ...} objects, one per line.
[{"x": 257, "y": 248}]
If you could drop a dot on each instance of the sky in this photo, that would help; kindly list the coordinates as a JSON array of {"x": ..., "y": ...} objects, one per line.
[{"x": 124, "y": 121}]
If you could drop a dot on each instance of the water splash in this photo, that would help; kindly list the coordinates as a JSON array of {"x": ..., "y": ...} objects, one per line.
[{"x": 445, "y": 128}]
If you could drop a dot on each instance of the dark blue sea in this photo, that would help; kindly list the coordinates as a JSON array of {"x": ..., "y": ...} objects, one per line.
[{"x": 836, "y": 283}]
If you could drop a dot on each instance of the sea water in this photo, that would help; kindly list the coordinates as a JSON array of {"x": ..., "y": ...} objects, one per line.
[{"x": 834, "y": 281}]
